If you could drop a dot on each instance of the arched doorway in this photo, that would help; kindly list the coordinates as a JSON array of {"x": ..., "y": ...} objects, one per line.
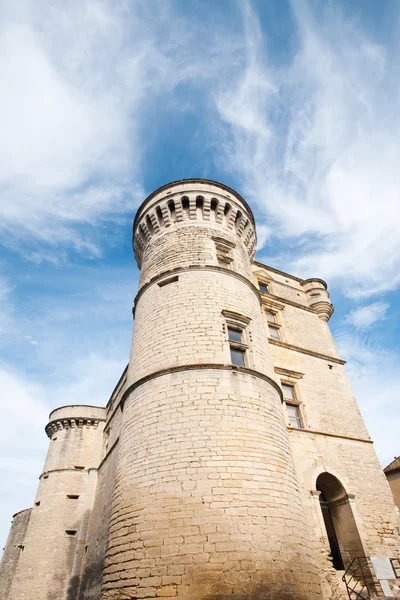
[{"x": 344, "y": 539}]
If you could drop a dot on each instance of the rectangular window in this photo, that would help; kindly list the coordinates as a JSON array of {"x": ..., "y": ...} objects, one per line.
[
  {"x": 71, "y": 532},
  {"x": 273, "y": 332},
  {"x": 223, "y": 250},
  {"x": 270, "y": 317},
  {"x": 234, "y": 335},
  {"x": 263, "y": 287},
  {"x": 288, "y": 391},
  {"x": 235, "y": 327},
  {"x": 294, "y": 417},
  {"x": 237, "y": 357}
]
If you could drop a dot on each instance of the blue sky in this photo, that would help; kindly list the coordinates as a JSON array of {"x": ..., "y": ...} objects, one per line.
[{"x": 293, "y": 104}]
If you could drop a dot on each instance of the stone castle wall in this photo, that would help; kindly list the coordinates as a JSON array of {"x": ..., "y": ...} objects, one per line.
[
  {"x": 13, "y": 550},
  {"x": 194, "y": 484}
]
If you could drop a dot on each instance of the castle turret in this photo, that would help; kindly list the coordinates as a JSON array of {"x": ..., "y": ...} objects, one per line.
[
  {"x": 51, "y": 551},
  {"x": 206, "y": 502}
]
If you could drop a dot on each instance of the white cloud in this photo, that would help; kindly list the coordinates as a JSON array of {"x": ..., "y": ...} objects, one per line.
[
  {"x": 316, "y": 143},
  {"x": 365, "y": 316},
  {"x": 25, "y": 408},
  {"x": 372, "y": 371},
  {"x": 23, "y": 443}
]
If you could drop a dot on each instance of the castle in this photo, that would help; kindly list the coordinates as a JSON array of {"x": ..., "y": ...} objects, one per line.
[{"x": 231, "y": 460}]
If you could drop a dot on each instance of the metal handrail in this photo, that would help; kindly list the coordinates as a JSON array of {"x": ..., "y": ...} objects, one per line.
[{"x": 354, "y": 576}]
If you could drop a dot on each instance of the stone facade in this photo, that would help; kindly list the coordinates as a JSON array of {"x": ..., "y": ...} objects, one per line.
[
  {"x": 392, "y": 472},
  {"x": 231, "y": 447}
]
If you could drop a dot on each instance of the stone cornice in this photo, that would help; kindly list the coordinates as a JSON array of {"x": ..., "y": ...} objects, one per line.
[
  {"x": 194, "y": 268},
  {"x": 281, "y": 344},
  {"x": 288, "y": 373},
  {"x": 265, "y": 296},
  {"x": 262, "y": 265},
  {"x": 199, "y": 367},
  {"x": 334, "y": 435},
  {"x": 71, "y": 423},
  {"x": 45, "y": 474}
]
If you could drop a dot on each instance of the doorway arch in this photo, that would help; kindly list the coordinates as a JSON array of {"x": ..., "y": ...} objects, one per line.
[{"x": 344, "y": 539}]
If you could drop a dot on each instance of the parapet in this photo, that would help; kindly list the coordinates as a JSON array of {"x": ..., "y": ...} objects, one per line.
[
  {"x": 191, "y": 200},
  {"x": 77, "y": 415}
]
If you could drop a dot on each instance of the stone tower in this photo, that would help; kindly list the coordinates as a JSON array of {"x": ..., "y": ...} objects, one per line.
[
  {"x": 231, "y": 460},
  {"x": 47, "y": 560},
  {"x": 206, "y": 481}
]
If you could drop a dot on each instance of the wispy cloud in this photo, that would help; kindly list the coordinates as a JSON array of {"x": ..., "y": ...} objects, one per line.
[
  {"x": 316, "y": 142},
  {"x": 78, "y": 83},
  {"x": 365, "y": 316},
  {"x": 372, "y": 370}
]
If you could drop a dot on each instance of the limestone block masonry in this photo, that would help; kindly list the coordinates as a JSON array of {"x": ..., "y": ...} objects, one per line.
[{"x": 227, "y": 463}]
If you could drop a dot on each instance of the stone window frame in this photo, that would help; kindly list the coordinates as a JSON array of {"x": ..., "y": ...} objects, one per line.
[
  {"x": 266, "y": 279},
  {"x": 266, "y": 282},
  {"x": 240, "y": 323},
  {"x": 223, "y": 249},
  {"x": 295, "y": 401},
  {"x": 275, "y": 309}
]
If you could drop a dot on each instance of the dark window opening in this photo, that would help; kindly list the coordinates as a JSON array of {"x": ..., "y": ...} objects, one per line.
[
  {"x": 237, "y": 357},
  {"x": 263, "y": 287},
  {"x": 159, "y": 216},
  {"x": 70, "y": 532},
  {"x": 234, "y": 335},
  {"x": 149, "y": 224},
  {"x": 227, "y": 208},
  {"x": 171, "y": 206},
  {"x": 78, "y": 467},
  {"x": 73, "y": 496},
  {"x": 168, "y": 281},
  {"x": 37, "y": 503},
  {"x": 185, "y": 203}
]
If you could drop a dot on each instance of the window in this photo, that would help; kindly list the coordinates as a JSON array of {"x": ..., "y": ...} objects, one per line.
[
  {"x": 263, "y": 287},
  {"x": 294, "y": 417},
  {"x": 237, "y": 357},
  {"x": 288, "y": 391},
  {"x": 224, "y": 249},
  {"x": 292, "y": 406},
  {"x": 273, "y": 325},
  {"x": 235, "y": 326},
  {"x": 70, "y": 532},
  {"x": 234, "y": 335},
  {"x": 273, "y": 332}
]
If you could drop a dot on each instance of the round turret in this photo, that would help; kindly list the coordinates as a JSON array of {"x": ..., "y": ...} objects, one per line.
[
  {"x": 56, "y": 531},
  {"x": 207, "y": 502}
]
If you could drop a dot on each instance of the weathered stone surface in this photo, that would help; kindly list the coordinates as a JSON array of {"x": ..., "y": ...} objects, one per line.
[{"x": 192, "y": 483}]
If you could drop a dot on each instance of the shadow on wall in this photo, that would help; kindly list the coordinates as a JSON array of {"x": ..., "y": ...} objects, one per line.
[
  {"x": 59, "y": 580},
  {"x": 91, "y": 583}
]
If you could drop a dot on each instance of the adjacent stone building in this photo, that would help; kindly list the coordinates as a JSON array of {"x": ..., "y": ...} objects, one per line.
[
  {"x": 231, "y": 460},
  {"x": 392, "y": 472}
]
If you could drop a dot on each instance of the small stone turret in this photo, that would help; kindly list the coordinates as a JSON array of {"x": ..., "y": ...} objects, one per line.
[
  {"x": 55, "y": 534},
  {"x": 318, "y": 298}
]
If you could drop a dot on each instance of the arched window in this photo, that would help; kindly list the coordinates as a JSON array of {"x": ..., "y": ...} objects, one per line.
[{"x": 344, "y": 540}]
